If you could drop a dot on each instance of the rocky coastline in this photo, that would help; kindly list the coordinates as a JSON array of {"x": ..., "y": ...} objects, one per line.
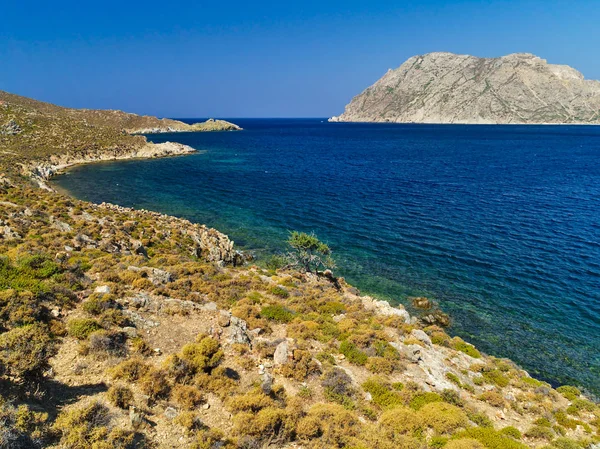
[
  {"x": 42, "y": 171},
  {"x": 129, "y": 328}
]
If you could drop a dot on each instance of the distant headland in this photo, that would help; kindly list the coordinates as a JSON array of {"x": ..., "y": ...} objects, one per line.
[{"x": 519, "y": 88}]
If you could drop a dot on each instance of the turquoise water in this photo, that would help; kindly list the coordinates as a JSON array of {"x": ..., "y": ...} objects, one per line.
[{"x": 499, "y": 224}]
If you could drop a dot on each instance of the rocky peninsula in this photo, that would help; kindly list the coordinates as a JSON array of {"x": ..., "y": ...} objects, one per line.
[
  {"x": 123, "y": 328},
  {"x": 519, "y": 88}
]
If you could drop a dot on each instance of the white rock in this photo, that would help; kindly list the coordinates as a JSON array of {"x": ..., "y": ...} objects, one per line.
[
  {"x": 170, "y": 413},
  {"x": 383, "y": 308},
  {"x": 102, "y": 289},
  {"x": 281, "y": 353},
  {"x": 421, "y": 336}
]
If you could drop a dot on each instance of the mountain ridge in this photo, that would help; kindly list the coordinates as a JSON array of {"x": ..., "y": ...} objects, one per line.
[{"x": 442, "y": 87}]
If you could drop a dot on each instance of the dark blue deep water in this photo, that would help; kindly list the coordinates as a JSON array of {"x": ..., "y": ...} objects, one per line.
[{"x": 499, "y": 224}]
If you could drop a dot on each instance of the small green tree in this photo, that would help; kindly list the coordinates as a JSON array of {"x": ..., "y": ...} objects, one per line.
[{"x": 309, "y": 253}]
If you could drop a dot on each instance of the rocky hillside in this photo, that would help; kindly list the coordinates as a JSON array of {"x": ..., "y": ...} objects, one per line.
[
  {"x": 449, "y": 88},
  {"x": 130, "y": 123},
  {"x": 124, "y": 328}
]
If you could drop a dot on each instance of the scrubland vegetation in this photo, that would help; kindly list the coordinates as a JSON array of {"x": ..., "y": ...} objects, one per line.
[{"x": 121, "y": 329}]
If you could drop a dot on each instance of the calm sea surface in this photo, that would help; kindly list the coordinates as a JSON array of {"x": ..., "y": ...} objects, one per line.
[{"x": 499, "y": 224}]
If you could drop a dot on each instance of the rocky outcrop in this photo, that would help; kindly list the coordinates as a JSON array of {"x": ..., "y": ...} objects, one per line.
[
  {"x": 383, "y": 308},
  {"x": 207, "y": 126},
  {"x": 42, "y": 171},
  {"x": 447, "y": 88},
  {"x": 208, "y": 243},
  {"x": 10, "y": 128}
]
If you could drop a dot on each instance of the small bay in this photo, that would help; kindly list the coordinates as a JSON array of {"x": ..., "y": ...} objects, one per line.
[{"x": 499, "y": 224}]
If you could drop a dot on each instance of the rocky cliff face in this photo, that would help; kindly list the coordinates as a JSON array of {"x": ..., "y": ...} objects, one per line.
[{"x": 449, "y": 88}]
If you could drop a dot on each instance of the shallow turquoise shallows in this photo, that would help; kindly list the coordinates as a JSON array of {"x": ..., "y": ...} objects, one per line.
[{"x": 499, "y": 224}]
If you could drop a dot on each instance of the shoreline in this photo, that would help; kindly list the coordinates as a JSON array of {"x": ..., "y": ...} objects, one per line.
[
  {"x": 172, "y": 298},
  {"x": 330, "y": 120},
  {"x": 42, "y": 171},
  {"x": 55, "y": 170}
]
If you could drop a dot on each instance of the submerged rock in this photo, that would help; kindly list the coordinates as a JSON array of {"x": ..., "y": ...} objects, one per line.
[{"x": 421, "y": 302}]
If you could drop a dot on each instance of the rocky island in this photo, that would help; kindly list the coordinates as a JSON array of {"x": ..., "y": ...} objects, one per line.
[
  {"x": 123, "y": 328},
  {"x": 518, "y": 88}
]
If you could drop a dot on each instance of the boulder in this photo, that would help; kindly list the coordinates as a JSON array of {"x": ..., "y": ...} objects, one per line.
[
  {"x": 237, "y": 331},
  {"x": 421, "y": 303},
  {"x": 383, "y": 308},
  {"x": 421, "y": 336},
  {"x": 281, "y": 354},
  {"x": 102, "y": 289}
]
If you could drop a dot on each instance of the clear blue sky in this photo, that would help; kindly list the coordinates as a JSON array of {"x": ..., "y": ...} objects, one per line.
[{"x": 264, "y": 59}]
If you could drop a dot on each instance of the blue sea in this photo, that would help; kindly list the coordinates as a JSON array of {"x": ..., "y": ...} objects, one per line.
[{"x": 498, "y": 224}]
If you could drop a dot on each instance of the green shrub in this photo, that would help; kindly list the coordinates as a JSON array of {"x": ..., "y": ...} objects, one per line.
[
  {"x": 277, "y": 313},
  {"x": 544, "y": 422},
  {"x": 352, "y": 353},
  {"x": 453, "y": 378},
  {"x": 130, "y": 370},
  {"x": 490, "y": 438},
  {"x": 382, "y": 393},
  {"x": 155, "y": 384},
  {"x": 20, "y": 309},
  {"x": 28, "y": 275},
  {"x": 21, "y": 427},
  {"x": 275, "y": 262},
  {"x": 540, "y": 433},
  {"x": 460, "y": 345},
  {"x": 325, "y": 357},
  {"x": 569, "y": 392},
  {"x": 24, "y": 351},
  {"x": 89, "y": 427},
  {"x": 495, "y": 377},
  {"x": 95, "y": 305},
  {"x": 308, "y": 252},
  {"x": 280, "y": 291},
  {"x": 419, "y": 400},
  {"x": 566, "y": 443},
  {"x": 333, "y": 425},
  {"x": 438, "y": 442},
  {"x": 452, "y": 397},
  {"x": 443, "y": 418},
  {"x": 263, "y": 425},
  {"x": 399, "y": 421},
  {"x": 380, "y": 365},
  {"x": 120, "y": 396},
  {"x": 565, "y": 421},
  {"x": 82, "y": 328},
  {"x": 512, "y": 432},
  {"x": 579, "y": 405},
  {"x": 187, "y": 396},
  {"x": 332, "y": 307},
  {"x": 204, "y": 355},
  {"x": 464, "y": 443},
  {"x": 480, "y": 419},
  {"x": 531, "y": 382}
]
